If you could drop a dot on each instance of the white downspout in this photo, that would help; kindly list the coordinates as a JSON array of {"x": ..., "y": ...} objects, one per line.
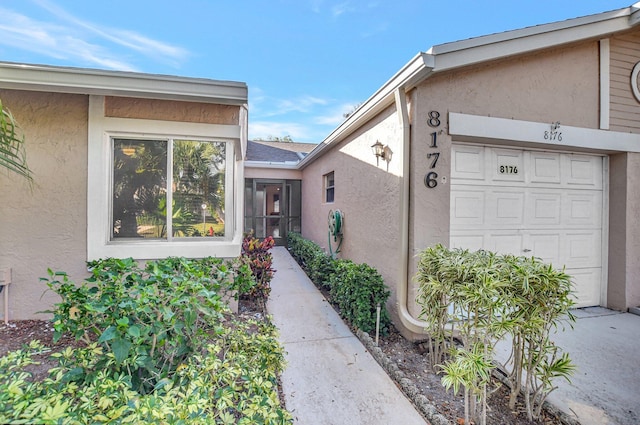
[{"x": 410, "y": 322}]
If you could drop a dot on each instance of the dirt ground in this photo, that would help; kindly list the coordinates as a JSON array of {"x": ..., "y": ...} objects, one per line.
[
  {"x": 411, "y": 359},
  {"x": 407, "y": 355}
]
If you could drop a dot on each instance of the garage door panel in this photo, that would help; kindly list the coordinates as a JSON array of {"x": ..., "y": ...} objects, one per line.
[
  {"x": 582, "y": 171},
  {"x": 505, "y": 242},
  {"x": 467, "y": 241},
  {"x": 507, "y": 165},
  {"x": 468, "y": 163},
  {"x": 551, "y": 209},
  {"x": 543, "y": 208},
  {"x": 504, "y": 208},
  {"x": 586, "y": 286},
  {"x": 583, "y": 209},
  {"x": 545, "y": 246},
  {"x": 467, "y": 208},
  {"x": 582, "y": 249},
  {"x": 544, "y": 167}
]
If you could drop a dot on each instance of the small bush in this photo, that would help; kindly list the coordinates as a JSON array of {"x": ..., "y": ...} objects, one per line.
[
  {"x": 146, "y": 321},
  {"x": 479, "y": 297},
  {"x": 232, "y": 381},
  {"x": 255, "y": 253},
  {"x": 314, "y": 261},
  {"x": 356, "y": 289}
]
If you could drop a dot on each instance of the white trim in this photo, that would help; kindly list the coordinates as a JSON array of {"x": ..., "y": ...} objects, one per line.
[
  {"x": 604, "y": 280},
  {"x": 605, "y": 83},
  {"x": 101, "y": 131},
  {"x": 266, "y": 164},
  {"x": 496, "y": 46},
  {"x": 117, "y": 83},
  {"x": 411, "y": 74},
  {"x": 465, "y": 127}
]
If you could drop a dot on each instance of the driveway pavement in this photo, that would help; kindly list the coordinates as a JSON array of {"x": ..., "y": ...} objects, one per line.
[{"x": 605, "y": 389}]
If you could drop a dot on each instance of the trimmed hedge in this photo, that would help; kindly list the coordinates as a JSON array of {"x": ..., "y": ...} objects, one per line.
[{"x": 355, "y": 289}]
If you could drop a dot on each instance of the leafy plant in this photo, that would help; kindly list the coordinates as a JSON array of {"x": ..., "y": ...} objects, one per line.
[
  {"x": 12, "y": 152},
  {"x": 356, "y": 289},
  {"x": 470, "y": 300},
  {"x": 233, "y": 380},
  {"x": 255, "y": 253},
  {"x": 148, "y": 321}
]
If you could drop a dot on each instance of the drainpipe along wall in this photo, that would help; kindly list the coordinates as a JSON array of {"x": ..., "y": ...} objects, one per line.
[{"x": 408, "y": 321}]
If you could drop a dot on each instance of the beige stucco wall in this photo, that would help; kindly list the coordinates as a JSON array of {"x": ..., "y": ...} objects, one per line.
[
  {"x": 171, "y": 110},
  {"x": 624, "y": 244},
  {"x": 367, "y": 194},
  {"x": 558, "y": 85},
  {"x": 561, "y": 84},
  {"x": 46, "y": 227},
  {"x": 272, "y": 173}
]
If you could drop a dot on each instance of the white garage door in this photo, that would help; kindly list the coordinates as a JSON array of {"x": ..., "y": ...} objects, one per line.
[{"x": 542, "y": 204}]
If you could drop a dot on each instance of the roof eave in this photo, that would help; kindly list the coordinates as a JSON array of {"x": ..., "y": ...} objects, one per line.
[
  {"x": 510, "y": 43},
  {"x": 481, "y": 49},
  {"x": 272, "y": 165},
  {"x": 416, "y": 70},
  {"x": 117, "y": 83}
]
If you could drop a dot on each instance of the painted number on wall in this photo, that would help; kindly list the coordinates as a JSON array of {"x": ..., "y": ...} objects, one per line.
[{"x": 431, "y": 178}]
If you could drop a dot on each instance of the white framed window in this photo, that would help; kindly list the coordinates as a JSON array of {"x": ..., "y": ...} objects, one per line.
[
  {"x": 161, "y": 188},
  {"x": 329, "y": 187}
]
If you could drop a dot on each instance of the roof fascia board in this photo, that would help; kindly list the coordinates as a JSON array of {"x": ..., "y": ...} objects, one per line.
[
  {"x": 117, "y": 83},
  {"x": 496, "y": 46},
  {"x": 416, "y": 70},
  {"x": 274, "y": 165}
]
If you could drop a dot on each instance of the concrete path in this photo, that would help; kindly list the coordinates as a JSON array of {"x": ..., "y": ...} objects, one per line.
[{"x": 330, "y": 378}]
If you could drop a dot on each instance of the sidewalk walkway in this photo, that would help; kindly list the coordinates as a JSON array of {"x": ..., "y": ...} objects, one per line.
[{"x": 330, "y": 379}]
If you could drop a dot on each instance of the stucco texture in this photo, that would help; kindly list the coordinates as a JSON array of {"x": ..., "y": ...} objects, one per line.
[
  {"x": 45, "y": 227},
  {"x": 367, "y": 193},
  {"x": 556, "y": 85}
]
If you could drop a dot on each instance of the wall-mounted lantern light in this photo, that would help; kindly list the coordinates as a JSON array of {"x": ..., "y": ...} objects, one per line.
[{"x": 381, "y": 151}]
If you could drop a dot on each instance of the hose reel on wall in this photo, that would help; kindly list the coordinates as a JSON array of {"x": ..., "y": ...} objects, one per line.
[{"x": 336, "y": 223}]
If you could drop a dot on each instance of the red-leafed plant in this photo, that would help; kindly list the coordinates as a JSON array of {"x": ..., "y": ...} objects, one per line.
[{"x": 255, "y": 253}]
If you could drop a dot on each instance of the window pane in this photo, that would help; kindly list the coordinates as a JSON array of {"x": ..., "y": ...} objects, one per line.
[
  {"x": 198, "y": 188},
  {"x": 330, "y": 193},
  {"x": 139, "y": 188}
]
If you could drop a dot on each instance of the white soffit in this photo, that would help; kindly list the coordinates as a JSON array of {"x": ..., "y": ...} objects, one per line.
[
  {"x": 118, "y": 83},
  {"x": 463, "y": 127}
]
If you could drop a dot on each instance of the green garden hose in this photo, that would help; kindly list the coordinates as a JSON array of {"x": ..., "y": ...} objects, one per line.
[{"x": 336, "y": 220}]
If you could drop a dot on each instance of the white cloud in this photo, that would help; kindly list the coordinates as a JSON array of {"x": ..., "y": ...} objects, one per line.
[
  {"x": 335, "y": 117},
  {"x": 342, "y": 8},
  {"x": 299, "y": 131},
  {"x": 300, "y": 104},
  {"x": 72, "y": 38}
]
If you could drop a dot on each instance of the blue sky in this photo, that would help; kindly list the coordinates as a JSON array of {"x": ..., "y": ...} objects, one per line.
[{"x": 306, "y": 62}]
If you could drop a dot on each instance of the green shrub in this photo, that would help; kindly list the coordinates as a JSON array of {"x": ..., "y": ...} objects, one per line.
[
  {"x": 147, "y": 321},
  {"x": 478, "y": 298},
  {"x": 314, "y": 261},
  {"x": 232, "y": 381},
  {"x": 255, "y": 253},
  {"x": 356, "y": 289}
]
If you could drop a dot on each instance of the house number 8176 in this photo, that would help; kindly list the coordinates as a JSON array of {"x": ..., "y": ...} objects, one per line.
[{"x": 433, "y": 121}]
